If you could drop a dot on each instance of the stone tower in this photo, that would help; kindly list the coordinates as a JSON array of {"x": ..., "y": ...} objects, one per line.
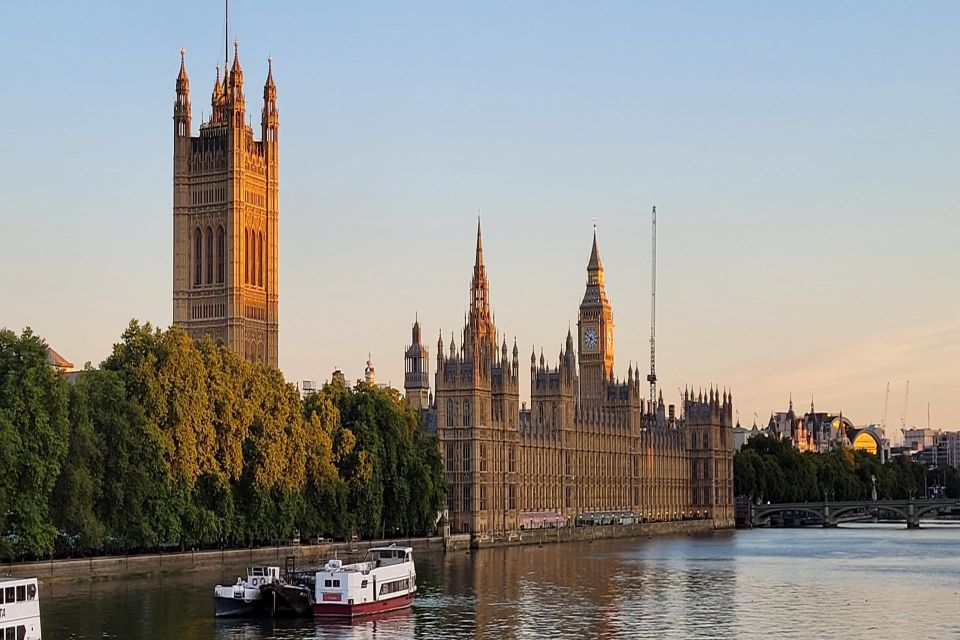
[
  {"x": 225, "y": 218},
  {"x": 416, "y": 376},
  {"x": 595, "y": 328}
]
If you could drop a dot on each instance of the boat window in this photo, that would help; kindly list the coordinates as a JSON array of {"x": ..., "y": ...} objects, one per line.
[
  {"x": 327, "y": 583},
  {"x": 363, "y": 584},
  {"x": 21, "y": 632},
  {"x": 10, "y": 634},
  {"x": 10, "y": 597},
  {"x": 1, "y": 596},
  {"x": 31, "y": 592},
  {"x": 336, "y": 583},
  {"x": 22, "y": 593}
]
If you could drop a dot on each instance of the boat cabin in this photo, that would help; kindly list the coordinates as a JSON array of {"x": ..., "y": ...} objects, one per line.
[
  {"x": 19, "y": 609},
  {"x": 386, "y": 556},
  {"x": 257, "y": 576}
]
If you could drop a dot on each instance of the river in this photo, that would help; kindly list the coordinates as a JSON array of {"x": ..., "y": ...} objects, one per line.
[{"x": 853, "y": 582}]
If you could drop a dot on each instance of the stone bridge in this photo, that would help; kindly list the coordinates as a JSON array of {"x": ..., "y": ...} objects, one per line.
[{"x": 833, "y": 513}]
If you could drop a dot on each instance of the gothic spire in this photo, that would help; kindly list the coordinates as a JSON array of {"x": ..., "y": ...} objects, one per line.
[{"x": 595, "y": 263}]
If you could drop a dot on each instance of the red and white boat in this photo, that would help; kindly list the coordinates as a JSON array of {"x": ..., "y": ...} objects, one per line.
[{"x": 387, "y": 582}]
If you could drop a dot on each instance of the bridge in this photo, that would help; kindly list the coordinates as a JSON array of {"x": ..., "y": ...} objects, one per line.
[{"x": 833, "y": 513}]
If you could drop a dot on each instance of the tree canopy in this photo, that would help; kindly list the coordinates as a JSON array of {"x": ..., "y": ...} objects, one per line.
[{"x": 174, "y": 441}]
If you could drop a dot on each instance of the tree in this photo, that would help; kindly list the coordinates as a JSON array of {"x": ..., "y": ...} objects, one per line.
[{"x": 35, "y": 432}]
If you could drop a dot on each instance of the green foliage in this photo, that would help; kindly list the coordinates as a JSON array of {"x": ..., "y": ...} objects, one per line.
[
  {"x": 178, "y": 442},
  {"x": 35, "y": 435},
  {"x": 770, "y": 469}
]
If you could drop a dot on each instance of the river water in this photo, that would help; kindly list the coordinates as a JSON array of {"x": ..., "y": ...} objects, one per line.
[{"x": 851, "y": 582}]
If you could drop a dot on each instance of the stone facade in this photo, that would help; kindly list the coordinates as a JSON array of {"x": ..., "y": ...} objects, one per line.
[
  {"x": 587, "y": 444},
  {"x": 225, "y": 218}
]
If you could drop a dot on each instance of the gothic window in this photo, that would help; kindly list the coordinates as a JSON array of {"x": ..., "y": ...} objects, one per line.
[
  {"x": 260, "y": 259},
  {"x": 555, "y": 415},
  {"x": 198, "y": 257},
  {"x": 466, "y": 413},
  {"x": 467, "y": 456},
  {"x": 483, "y": 457},
  {"x": 449, "y": 412},
  {"x": 450, "y": 454},
  {"x": 221, "y": 255},
  {"x": 540, "y": 414},
  {"x": 209, "y": 255},
  {"x": 246, "y": 256}
]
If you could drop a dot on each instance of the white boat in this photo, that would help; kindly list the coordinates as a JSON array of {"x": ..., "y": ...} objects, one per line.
[
  {"x": 243, "y": 598},
  {"x": 19, "y": 609},
  {"x": 387, "y": 582}
]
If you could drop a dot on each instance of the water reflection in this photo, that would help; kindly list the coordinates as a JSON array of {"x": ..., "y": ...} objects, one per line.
[{"x": 865, "y": 582}]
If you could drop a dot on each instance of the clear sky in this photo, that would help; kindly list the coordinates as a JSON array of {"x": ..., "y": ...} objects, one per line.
[{"x": 803, "y": 158}]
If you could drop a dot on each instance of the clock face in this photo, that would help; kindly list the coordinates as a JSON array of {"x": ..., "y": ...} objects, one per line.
[{"x": 590, "y": 339}]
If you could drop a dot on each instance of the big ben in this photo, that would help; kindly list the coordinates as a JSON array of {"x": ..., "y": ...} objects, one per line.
[{"x": 595, "y": 328}]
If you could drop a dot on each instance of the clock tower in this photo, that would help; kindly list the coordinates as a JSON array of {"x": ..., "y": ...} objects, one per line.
[{"x": 595, "y": 328}]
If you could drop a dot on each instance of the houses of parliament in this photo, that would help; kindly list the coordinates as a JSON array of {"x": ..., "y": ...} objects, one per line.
[
  {"x": 587, "y": 447},
  {"x": 225, "y": 217}
]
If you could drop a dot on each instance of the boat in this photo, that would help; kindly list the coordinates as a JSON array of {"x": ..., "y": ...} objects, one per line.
[
  {"x": 19, "y": 608},
  {"x": 244, "y": 598},
  {"x": 282, "y": 600},
  {"x": 387, "y": 582}
]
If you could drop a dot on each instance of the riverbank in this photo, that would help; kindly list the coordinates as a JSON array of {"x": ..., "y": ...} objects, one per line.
[
  {"x": 103, "y": 568},
  {"x": 579, "y": 534},
  {"x": 141, "y": 566}
]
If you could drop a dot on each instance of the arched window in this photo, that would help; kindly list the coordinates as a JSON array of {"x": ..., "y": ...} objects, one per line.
[
  {"x": 466, "y": 413},
  {"x": 260, "y": 259},
  {"x": 221, "y": 254},
  {"x": 449, "y": 412},
  {"x": 246, "y": 256},
  {"x": 209, "y": 255},
  {"x": 197, "y": 257}
]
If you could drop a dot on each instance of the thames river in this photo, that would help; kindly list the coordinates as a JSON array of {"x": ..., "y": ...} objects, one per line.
[{"x": 851, "y": 582}]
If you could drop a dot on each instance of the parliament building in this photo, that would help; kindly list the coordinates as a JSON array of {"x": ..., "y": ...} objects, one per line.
[
  {"x": 588, "y": 448},
  {"x": 225, "y": 218}
]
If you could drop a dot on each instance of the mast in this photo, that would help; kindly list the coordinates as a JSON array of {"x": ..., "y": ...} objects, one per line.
[
  {"x": 652, "y": 376},
  {"x": 226, "y": 35}
]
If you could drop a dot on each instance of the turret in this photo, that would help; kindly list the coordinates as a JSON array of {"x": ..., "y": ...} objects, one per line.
[
  {"x": 181, "y": 107},
  {"x": 270, "y": 118},
  {"x": 235, "y": 99}
]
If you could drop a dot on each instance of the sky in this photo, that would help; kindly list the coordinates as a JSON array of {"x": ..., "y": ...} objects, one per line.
[{"x": 803, "y": 158}]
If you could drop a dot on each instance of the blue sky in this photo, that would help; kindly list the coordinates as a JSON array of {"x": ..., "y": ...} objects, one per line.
[{"x": 803, "y": 159}]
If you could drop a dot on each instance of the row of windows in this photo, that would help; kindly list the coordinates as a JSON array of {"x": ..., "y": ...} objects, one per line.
[
  {"x": 22, "y": 593},
  {"x": 204, "y": 255},
  {"x": 394, "y": 586},
  {"x": 208, "y": 196},
  {"x": 203, "y": 311},
  {"x": 18, "y": 632},
  {"x": 254, "y": 198},
  {"x": 254, "y": 313},
  {"x": 331, "y": 583}
]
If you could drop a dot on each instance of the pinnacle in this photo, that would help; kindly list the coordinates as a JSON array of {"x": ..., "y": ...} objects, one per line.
[{"x": 595, "y": 263}]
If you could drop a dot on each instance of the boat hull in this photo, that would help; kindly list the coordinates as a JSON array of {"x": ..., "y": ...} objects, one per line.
[
  {"x": 340, "y": 610},
  {"x": 233, "y": 607}
]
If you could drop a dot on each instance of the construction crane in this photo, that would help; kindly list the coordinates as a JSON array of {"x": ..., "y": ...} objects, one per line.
[{"x": 652, "y": 376}]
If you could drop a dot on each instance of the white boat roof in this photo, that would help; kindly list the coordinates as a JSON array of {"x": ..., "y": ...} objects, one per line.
[
  {"x": 6, "y": 579},
  {"x": 392, "y": 547}
]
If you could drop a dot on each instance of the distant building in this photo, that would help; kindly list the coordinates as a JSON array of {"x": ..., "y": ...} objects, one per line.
[
  {"x": 740, "y": 436},
  {"x": 57, "y": 362},
  {"x": 308, "y": 388},
  {"x": 919, "y": 439},
  {"x": 369, "y": 374}
]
